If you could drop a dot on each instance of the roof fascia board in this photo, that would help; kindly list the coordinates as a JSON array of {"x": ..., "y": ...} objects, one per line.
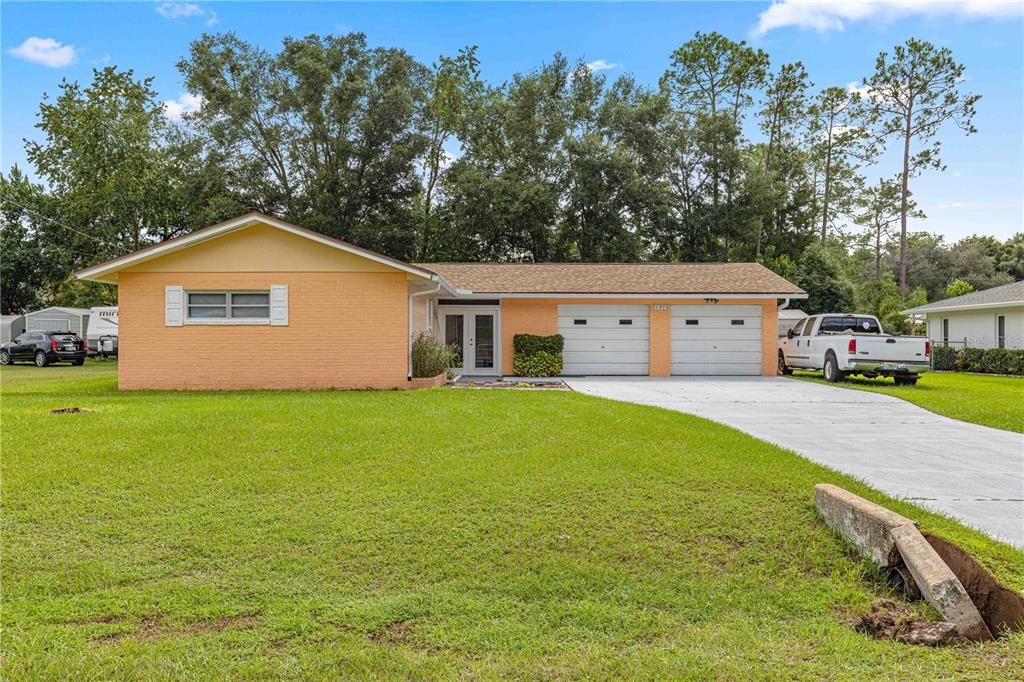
[
  {"x": 230, "y": 226},
  {"x": 609, "y": 294},
  {"x": 954, "y": 308}
]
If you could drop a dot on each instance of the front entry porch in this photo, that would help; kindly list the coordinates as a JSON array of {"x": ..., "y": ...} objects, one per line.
[{"x": 475, "y": 332}]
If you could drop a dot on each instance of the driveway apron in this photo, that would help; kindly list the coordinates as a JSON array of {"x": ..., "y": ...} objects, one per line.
[{"x": 970, "y": 472}]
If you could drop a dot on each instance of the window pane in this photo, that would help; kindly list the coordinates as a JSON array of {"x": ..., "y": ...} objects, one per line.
[
  {"x": 831, "y": 324},
  {"x": 207, "y": 311},
  {"x": 207, "y": 299},
  {"x": 250, "y": 311},
  {"x": 484, "y": 341},
  {"x": 250, "y": 299},
  {"x": 809, "y": 326}
]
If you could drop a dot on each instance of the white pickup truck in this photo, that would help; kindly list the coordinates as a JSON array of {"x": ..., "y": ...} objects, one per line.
[{"x": 840, "y": 345}]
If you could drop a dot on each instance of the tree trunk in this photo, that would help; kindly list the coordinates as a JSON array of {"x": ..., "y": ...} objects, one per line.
[
  {"x": 878, "y": 249},
  {"x": 904, "y": 181},
  {"x": 827, "y": 189}
]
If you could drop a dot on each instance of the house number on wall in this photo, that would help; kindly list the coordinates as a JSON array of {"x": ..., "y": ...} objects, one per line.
[
  {"x": 660, "y": 306},
  {"x": 711, "y": 300}
]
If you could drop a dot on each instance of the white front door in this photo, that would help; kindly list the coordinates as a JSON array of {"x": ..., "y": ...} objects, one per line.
[{"x": 473, "y": 331}]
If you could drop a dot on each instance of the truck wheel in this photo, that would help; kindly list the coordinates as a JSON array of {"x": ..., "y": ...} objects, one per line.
[
  {"x": 831, "y": 369},
  {"x": 41, "y": 360},
  {"x": 783, "y": 369},
  {"x": 5, "y": 358},
  {"x": 905, "y": 381}
]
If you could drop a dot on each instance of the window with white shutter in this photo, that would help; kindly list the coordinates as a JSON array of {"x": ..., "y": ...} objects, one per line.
[{"x": 174, "y": 297}]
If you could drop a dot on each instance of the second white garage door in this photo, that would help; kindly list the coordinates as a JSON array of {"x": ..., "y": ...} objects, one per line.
[
  {"x": 716, "y": 339},
  {"x": 604, "y": 339}
]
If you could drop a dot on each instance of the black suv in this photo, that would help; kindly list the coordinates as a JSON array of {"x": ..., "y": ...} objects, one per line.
[{"x": 43, "y": 348}]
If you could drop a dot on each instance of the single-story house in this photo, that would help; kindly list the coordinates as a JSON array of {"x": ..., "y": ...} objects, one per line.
[
  {"x": 58, "y": 319},
  {"x": 789, "y": 318},
  {"x": 256, "y": 302},
  {"x": 992, "y": 318}
]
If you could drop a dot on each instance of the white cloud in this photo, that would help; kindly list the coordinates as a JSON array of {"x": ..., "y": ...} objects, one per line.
[
  {"x": 105, "y": 59},
  {"x": 187, "y": 103},
  {"x": 834, "y": 15},
  {"x": 45, "y": 51},
  {"x": 601, "y": 65},
  {"x": 186, "y": 10}
]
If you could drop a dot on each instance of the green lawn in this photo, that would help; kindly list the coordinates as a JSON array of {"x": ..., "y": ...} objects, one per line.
[
  {"x": 995, "y": 401},
  {"x": 428, "y": 534}
]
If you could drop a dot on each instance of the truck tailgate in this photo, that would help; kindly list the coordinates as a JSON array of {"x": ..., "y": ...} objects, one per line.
[{"x": 890, "y": 348}]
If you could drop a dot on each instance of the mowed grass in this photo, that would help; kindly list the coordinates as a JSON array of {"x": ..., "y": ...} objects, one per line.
[
  {"x": 996, "y": 401},
  {"x": 427, "y": 534}
]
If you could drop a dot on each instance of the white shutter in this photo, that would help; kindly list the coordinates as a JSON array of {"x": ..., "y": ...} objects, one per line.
[
  {"x": 174, "y": 304},
  {"x": 279, "y": 305}
]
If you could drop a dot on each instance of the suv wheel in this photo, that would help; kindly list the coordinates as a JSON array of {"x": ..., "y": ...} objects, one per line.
[
  {"x": 5, "y": 358},
  {"x": 783, "y": 369},
  {"x": 41, "y": 360},
  {"x": 831, "y": 369}
]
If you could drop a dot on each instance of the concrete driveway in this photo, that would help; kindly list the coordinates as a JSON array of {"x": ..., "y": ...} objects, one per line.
[{"x": 970, "y": 472}]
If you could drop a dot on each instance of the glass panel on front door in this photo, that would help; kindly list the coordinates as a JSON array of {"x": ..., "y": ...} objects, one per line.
[
  {"x": 453, "y": 336},
  {"x": 483, "y": 356}
]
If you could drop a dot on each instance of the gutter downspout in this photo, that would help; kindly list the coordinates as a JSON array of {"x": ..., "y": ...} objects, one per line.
[
  {"x": 784, "y": 305},
  {"x": 417, "y": 294}
]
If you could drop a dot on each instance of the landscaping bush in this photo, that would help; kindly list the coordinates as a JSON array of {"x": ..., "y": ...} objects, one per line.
[
  {"x": 540, "y": 364},
  {"x": 537, "y": 356},
  {"x": 528, "y": 344},
  {"x": 983, "y": 360},
  {"x": 430, "y": 357}
]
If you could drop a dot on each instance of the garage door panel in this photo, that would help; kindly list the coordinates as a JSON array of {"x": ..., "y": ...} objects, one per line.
[
  {"x": 603, "y": 345},
  {"x": 593, "y": 321},
  {"x": 717, "y": 356},
  {"x": 719, "y": 310},
  {"x": 726, "y": 339},
  {"x": 605, "y": 369},
  {"x": 715, "y": 322},
  {"x": 731, "y": 345},
  {"x": 576, "y": 333},
  {"x": 695, "y": 333},
  {"x": 618, "y": 345}
]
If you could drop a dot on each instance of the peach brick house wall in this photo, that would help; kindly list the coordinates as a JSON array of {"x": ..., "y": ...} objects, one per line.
[
  {"x": 347, "y": 319},
  {"x": 540, "y": 316}
]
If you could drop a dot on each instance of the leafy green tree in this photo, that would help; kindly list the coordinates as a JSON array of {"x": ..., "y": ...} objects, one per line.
[
  {"x": 911, "y": 95},
  {"x": 839, "y": 143},
  {"x": 25, "y": 266},
  {"x": 879, "y": 210},
  {"x": 958, "y": 287},
  {"x": 103, "y": 158},
  {"x": 453, "y": 90},
  {"x": 328, "y": 132},
  {"x": 819, "y": 274}
]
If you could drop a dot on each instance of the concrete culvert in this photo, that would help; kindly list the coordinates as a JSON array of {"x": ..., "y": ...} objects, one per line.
[{"x": 1001, "y": 608}]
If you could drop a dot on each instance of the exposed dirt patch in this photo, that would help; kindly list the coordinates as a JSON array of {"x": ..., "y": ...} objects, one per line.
[
  {"x": 96, "y": 620},
  {"x": 1001, "y": 608},
  {"x": 398, "y": 632},
  {"x": 68, "y": 410},
  {"x": 888, "y": 619},
  {"x": 153, "y": 628}
]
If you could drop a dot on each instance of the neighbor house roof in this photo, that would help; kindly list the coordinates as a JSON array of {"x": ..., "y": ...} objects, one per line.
[
  {"x": 63, "y": 309},
  {"x": 103, "y": 272},
  {"x": 614, "y": 278},
  {"x": 791, "y": 314},
  {"x": 997, "y": 297}
]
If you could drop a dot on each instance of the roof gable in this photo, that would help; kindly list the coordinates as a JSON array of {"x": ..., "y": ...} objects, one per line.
[
  {"x": 1005, "y": 295},
  {"x": 107, "y": 271}
]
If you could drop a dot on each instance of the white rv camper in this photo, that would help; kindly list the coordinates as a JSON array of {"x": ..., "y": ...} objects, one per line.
[{"x": 102, "y": 333}]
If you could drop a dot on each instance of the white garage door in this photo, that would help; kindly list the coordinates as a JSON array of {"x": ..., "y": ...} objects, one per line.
[
  {"x": 716, "y": 339},
  {"x": 604, "y": 339}
]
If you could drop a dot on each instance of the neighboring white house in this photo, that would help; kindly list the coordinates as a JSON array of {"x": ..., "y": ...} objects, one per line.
[
  {"x": 993, "y": 318},
  {"x": 789, "y": 318}
]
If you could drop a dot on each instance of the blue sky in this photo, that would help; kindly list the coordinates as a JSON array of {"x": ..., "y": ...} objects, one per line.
[{"x": 980, "y": 192}]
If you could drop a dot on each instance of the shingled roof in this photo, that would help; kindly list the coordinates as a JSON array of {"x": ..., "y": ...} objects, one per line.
[
  {"x": 613, "y": 278},
  {"x": 1005, "y": 295}
]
